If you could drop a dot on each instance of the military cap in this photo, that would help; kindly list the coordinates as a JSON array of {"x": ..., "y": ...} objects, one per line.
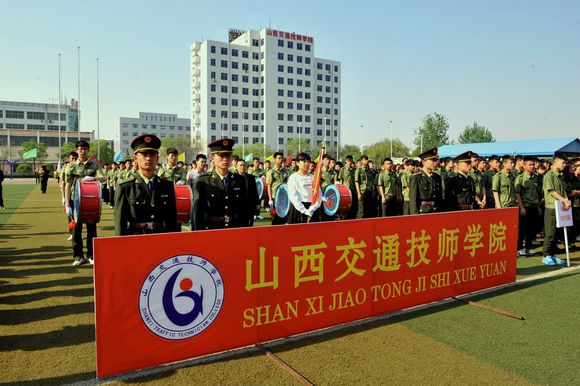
[
  {"x": 429, "y": 154},
  {"x": 222, "y": 146},
  {"x": 528, "y": 158},
  {"x": 171, "y": 150},
  {"x": 464, "y": 157},
  {"x": 145, "y": 143}
]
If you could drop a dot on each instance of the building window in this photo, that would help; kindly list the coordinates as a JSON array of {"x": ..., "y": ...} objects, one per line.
[
  {"x": 235, "y": 65},
  {"x": 20, "y": 115},
  {"x": 234, "y": 127},
  {"x": 280, "y": 92},
  {"x": 307, "y": 130},
  {"x": 290, "y": 69},
  {"x": 244, "y": 54},
  {"x": 234, "y": 52},
  {"x": 234, "y": 102},
  {"x": 290, "y": 118},
  {"x": 280, "y": 43},
  {"x": 246, "y": 140},
  {"x": 234, "y": 90},
  {"x": 280, "y": 116},
  {"x": 290, "y": 57},
  {"x": 245, "y": 78},
  {"x": 307, "y": 47},
  {"x": 307, "y": 60},
  {"x": 280, "y": 104},
  {"x": 224, "y": 88},
  {"x": 255, "y": 140},
  {"x": 212, "y": 49},
  {"x": 299, "y": 46},
  {"x": 234, "y": 113},
  {"x": 234, "y": 77},
  {"x": 290, "y": 44},
  {"x": 245, "y": 66},
  {"x": 255, "y": 42},
  {"x": 144, "y": 126},
  {"x": 280, "y": 80},
  {"x": 319, "y": 133},
  {"x": 224, "y": 101},
  {"x": 212, "y": 62},
  {"x": 34, "y": 115},
  {"x": 212, "y": 88},
  {"x": 290, "y": 105},
  {"x": 224, "y": 76},
  {"x": 280, "y": 141},
  {"x": 281, "y": 55},
  {"x": 290, "y": 81},
  {"x": 307, "y": 73},
  {"x": 255, "y": 55},
  {"x": 212, "y": 100},
  {"x": 290, "y": 94},
  {"x": 280, "y": 68},
  {"x": 224, "y": 50},
  {"x": 245, "y": 103}
]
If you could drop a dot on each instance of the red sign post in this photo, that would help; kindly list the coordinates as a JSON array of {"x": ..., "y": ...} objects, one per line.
[{"x": 171, "y": 297}]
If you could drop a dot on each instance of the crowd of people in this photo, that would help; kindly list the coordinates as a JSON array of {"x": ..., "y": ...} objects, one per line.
[{"x": 141, "y": 190}]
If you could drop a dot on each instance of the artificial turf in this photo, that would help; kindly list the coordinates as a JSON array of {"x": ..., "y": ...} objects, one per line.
[{"x": 47, "y": 325}]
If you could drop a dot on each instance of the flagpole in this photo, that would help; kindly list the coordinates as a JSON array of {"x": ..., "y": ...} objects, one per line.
[
  {"x": 243, "y": 136},
  {"x": 79, "y": 92},
  {"x": 58, "y": 120},
  {"x": 98, "y": 111}
]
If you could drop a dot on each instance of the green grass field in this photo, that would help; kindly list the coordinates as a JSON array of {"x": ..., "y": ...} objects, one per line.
[{"x": 47, "y": 324}]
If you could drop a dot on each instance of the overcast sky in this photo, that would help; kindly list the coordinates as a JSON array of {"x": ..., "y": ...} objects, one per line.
[{"x": 512, "y": 66}]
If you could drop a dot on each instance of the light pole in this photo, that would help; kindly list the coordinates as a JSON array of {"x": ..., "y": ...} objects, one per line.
[
  {"x": 299, "y": 148},
  {"x": 362, "y": 135},
  {"x": 58, "y": 120},
  {"x": 243, "y": 135},
  {"x": 278, "y": 138},
  {"x": 222, "y": 125},
  {"x": 98, "y": 121},
  {"x": 391, "y": 122}
]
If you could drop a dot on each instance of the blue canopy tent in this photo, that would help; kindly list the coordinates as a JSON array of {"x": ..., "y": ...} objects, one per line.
[{"x": 535, "y": 147}]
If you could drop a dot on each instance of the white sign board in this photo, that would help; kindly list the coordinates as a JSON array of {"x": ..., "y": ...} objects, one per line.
[{"x": 563, "y": 216}]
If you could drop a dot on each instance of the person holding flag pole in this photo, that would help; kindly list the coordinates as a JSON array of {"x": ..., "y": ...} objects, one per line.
[{"x": 304, "y": 191}]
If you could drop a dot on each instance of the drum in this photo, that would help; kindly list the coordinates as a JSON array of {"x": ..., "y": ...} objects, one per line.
[
  {"x": 87, "y": 201},
  {"x": 183, "y": 203},
  {"x": 262, "y": 187},
  {"x": 282, "y": 202},
  {"x": 338, "y": 200}
]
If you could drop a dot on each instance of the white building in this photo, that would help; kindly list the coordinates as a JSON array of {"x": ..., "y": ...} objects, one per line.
[
  {"x": 264, "y": 86},
  {"x": 24, "y": 121},
  {"x": 162, "y": 125}
]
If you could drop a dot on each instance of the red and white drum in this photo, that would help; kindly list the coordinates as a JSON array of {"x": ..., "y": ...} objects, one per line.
[
  {"x": 262, "y": 187},
  {"x": 183, "y": 203},
  {"x": 338, "y": 200},
  {"x": 87, "y": 201}
]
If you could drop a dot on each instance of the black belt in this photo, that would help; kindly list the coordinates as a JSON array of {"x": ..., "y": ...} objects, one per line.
[
  {"x": 427, "y": 203},
  {"x": 146, "y": 225},
  {"x": 220, "y": 219},
  {"x": 465, "y": 206}
]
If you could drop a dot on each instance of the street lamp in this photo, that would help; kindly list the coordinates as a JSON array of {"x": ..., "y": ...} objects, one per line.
[
  {"x": 391, "y": 122},
  {"x": 299, "y": 148},
  {"x": 362, "y": 133}
]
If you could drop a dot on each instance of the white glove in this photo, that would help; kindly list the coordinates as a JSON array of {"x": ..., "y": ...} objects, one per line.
[
  {"x": 308, "y": 212},
  {"x": 89, "y": 178},
  {"x": 69, "y": 211},
  {"x": 63, "y": 200},
  {"x": 271, "y": 204},
  {"x": 180, "y": 182},
  {"x": 323, "y": 198}
]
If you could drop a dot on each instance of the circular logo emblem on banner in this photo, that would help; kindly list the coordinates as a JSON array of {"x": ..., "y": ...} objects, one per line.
[{"x": 181, "y": 297}]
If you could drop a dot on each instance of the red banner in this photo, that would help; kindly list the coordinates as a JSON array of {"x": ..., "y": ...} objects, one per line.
[{"x": 170, "y": 297}]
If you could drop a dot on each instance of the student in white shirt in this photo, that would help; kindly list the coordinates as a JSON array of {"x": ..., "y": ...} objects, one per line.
[{"x": 300, "y": 193}]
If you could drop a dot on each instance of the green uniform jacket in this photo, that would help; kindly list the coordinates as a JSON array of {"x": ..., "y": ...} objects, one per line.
[
  {"x": 487, "y": 179},
  {"x": 365, "y": 178},
  {"x": 275, "y": 178},
  {"x": 328, "y": 178},
  {"x": 346, "y": 176},
  {"x": 477, "y": 178},
  {"x": 389, "y": 182},
  {"x": 553, "y": 181},
  {"x": 425, "y": 188},
  {"x": 503, "y": 182},
  {"x": 215, "y": 207},
  {"x": 173, "y": 174},
  {"x": 527, "y": 186},
  {"x": 134, "y": 204},
  {"x": 405, "y": 177},
  {"x": 459, "y": 190}
]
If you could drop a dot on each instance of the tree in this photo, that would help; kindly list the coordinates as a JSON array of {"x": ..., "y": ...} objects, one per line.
[
  {"x": 292, "y": 147},
  {"x": 181, "y": 142},
  {"x": 475, "y": 134},
  {"x": 432, "y": 133},
  {"x": 256, "y": 149},
  {"x": 353, "y": 150},
  {"x": 107, "y": 153},
  {"x": 32, "y": 144},
  {"x": 380, "y": 150}
]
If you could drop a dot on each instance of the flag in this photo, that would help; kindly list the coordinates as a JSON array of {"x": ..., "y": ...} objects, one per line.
[
  {"x": 270, "y": 158},
  {"x": 93, "y": 158},
  {"x": 30, "y": 154},
  {"x": 59, "y": 166},
  {"x": 181, "y": 157},
  {"x": 288, "y": 160},
  {"x": 118, "y": 157},
  {"x": 317, "y": 176},
  {"x": 249, "y": 157}
]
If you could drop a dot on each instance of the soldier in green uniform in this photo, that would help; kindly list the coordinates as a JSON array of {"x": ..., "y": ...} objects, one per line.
[
  {"x": 111, "y": 183},
  {"x": 171, "y": 171},
  {"x": 144, "y": 202},
  {"x": 328, "y": 173},
  {"x": 574, "y": 194},
  {"x": 527, "y": 193},
  {"x": 487, "y": 177},
  {"x": 81, "y": 169},
  {"x": 220, "y": 198},
  {"x": 364, "y": 180},
  {"x": 255, "y": 168},
  {"x": 406, "y": 173},
  {"x": 425, "y": 186},
  {"x": 478, "y": 165},
  {"x": 389, "y": 191},
  {"x": 519, "y": 165},
  {"x": 346, "y": 177},
  {"x": 276, "y": 176},
  {"x": 503, "y": 185},
  {"x": 554, "y": 188},
  {"x": 460, "y": 189}
]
